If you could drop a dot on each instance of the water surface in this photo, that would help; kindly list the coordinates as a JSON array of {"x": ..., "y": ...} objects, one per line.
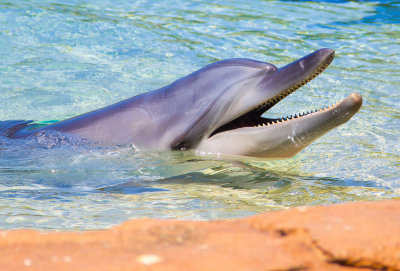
[{"x": 63, "y": 58}]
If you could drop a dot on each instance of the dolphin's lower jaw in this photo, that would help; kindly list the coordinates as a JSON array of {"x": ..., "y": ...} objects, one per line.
[{"x": 282, "y": 138}]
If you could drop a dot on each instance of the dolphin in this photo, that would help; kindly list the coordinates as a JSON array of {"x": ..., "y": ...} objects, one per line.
[{"x": 215, "y": 110}]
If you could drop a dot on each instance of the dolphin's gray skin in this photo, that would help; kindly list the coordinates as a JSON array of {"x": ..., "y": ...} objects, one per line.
[{"x": 216, "y": 109}]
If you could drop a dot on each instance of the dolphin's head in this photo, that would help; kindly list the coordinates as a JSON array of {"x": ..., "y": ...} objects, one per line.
[{"x": 239, "y": 91}]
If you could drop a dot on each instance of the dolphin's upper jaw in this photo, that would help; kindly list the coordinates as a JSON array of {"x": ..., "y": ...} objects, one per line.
[
  {"x": 253, "y": 118},
  {"x": 286, "y": 92}
]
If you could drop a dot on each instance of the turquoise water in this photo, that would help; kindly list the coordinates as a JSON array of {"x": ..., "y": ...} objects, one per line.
[{"x": 63, "y": 58}]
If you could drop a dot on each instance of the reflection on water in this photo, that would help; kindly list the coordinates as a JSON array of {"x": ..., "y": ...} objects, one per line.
[{"x": 66, "y": 58}]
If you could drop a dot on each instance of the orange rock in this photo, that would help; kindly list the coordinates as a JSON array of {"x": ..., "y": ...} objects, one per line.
[{"x": 352, "y": 236}]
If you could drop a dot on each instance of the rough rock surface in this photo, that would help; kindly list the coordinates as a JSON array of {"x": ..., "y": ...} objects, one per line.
[{"x": 352, "y": 236}]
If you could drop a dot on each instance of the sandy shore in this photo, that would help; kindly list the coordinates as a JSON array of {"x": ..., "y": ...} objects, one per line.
[{"x": 352, "y": 236}]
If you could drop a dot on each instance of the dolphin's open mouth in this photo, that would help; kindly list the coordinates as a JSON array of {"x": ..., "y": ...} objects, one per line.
[{"x": 253, "y": 118}]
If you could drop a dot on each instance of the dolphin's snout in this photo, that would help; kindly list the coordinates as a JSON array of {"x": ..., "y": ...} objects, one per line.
[
  {"x": 356, "y": 98},
  {"x": 353, "y": 102},
  {"x": 324, "y": 52}
]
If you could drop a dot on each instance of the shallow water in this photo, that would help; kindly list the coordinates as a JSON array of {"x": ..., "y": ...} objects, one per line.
[{"x": 63, "y": 58}]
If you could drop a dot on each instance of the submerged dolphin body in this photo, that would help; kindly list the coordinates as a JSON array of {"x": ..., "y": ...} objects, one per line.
[{"x": 217, "y": 109}]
